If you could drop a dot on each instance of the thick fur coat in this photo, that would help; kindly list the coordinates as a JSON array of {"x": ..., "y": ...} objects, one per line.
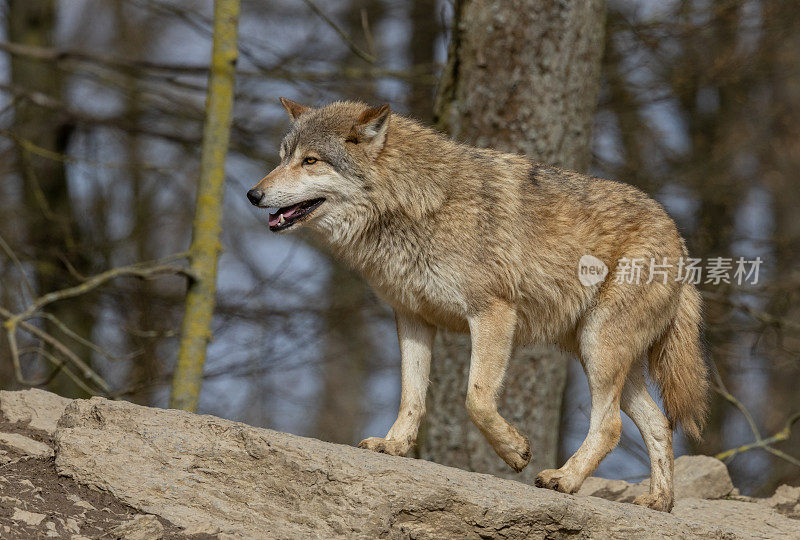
[{"x": 485, "y": 242}]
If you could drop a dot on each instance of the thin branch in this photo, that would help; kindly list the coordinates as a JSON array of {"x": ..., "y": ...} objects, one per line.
[
  {"x": 47, "y": 102},
  {"x": 137, "y": 270},
  {"x": 85, "y": 370},
  {"x": 723, "y": 391},
  {"x": 342, "y": 34},
  {"x": 424, "y": 72},
  {"x": 15, "y": 321},
  {"x": 60, "y": 367},
  {"x": 48, "y": 54},
  {"x": 761, "y": 316},
  {"x": 765, "y": 444},
  {"x": 33, "y": 148},
  {"x": 13, "y": 256},
  {"x": 759, "y": 442},
  {"x": 40, "y": 351},
  {"x": 71, "y": 333},
  {"x": 367, "y": 32}
]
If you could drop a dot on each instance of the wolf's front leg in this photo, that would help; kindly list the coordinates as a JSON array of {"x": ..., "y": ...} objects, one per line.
[
  {"x": 416, "y": 341},
  {"x": 492, "y": 332}
]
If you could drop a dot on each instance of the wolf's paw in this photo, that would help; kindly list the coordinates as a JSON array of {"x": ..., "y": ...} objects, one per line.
[
  {"x": 384, "y": 446},
  {"x": 517, "y": 455},
  {"x": 558, "y": 480},
  {"x": 657, "y": 501}
]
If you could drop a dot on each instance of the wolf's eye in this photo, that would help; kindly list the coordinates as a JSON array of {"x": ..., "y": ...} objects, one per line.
[{"x": 309, "y": 160}]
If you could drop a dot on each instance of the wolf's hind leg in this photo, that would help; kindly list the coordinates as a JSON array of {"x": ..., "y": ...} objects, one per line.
[
  {"x": 614, "y": 335},
  {"x": 492, "y": 333},
  {"x": 606, "y": 362},
  {"x": 657, "y": 434},
  {"x": 416, "y": 341}
]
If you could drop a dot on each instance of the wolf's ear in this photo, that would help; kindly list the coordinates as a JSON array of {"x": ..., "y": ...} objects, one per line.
[
  {"x": 370, "y": 128},
  {"x": 294, "y": 110}
]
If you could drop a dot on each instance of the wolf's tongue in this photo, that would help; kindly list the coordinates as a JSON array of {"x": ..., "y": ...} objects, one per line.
[
  {"x": 287, "y": 213},
  {"x": 291, "y": 211}
]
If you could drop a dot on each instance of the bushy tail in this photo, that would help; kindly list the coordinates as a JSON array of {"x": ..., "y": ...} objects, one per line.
[{"x": 677, "y": 364}]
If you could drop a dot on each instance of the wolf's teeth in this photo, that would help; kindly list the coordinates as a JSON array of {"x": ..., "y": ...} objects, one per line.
[{"x": 281, "y": 220}]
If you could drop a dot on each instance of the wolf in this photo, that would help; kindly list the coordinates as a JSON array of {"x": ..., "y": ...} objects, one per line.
[{"x": 490, "y": 243}]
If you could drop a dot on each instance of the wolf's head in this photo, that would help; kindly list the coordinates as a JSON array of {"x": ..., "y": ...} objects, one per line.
[{"x": 325, "y": 159}]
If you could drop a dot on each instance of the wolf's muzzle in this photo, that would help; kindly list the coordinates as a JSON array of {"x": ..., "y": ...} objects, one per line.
[{"x": 255, "y": 196}]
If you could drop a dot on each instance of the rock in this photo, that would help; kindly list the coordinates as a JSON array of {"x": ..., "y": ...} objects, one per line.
[
  {"x": 39, "y": 409},
  {"x": 26, "y": 446},
  {"x": 701, "y": 477},
  {"x": 139, "y": 528},
  {"x": 757, "y": 520},
  {"x": 50, "y": 529},
  {"x": 72, "y": 526},
  {"x": 696, "y": 477},
  {"x": 207, "y": 474},
  {"x": 611, "y": 490},
  {"x": 77, "y": 501},
  {"x": 29, "y": 518},
  {"x": 53, "y": 506},
  {"x": 786, "y": 501}
]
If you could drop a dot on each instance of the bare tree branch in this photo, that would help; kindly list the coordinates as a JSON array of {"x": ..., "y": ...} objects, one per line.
[
  {"x": 350, "y": 43},
  {"x": 137, "y": 270},
  {"x": 765, "y": 444},
  {"x": 14, "y": 321}
]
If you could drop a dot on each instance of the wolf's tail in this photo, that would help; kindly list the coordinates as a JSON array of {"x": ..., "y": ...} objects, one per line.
[{"x": 676, "y": 362}]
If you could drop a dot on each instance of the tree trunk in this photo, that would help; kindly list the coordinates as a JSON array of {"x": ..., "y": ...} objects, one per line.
[
  {"x": 348, "y": 353},
  {"x": 522, "y": 76},
  {"x": 51, "y": 234},
  {"x": 204, "y": 251},
  {"x": 142, "y": 315},
  {"x": 783, "y": 160},
  {"x": 424, "y": 31}
]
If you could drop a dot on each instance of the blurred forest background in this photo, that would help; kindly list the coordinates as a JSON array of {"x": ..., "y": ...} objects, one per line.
[{"x": 101, "y": 113}]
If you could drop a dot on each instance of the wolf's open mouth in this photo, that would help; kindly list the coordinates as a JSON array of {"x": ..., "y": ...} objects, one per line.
[{"x": 289, "y": 215}]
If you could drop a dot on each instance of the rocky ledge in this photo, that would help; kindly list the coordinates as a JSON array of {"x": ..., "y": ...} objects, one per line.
[{"x": 110, "y": 469}]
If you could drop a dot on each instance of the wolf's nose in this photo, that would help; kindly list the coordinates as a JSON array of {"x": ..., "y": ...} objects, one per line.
[{"x": 255, "y": 195}]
